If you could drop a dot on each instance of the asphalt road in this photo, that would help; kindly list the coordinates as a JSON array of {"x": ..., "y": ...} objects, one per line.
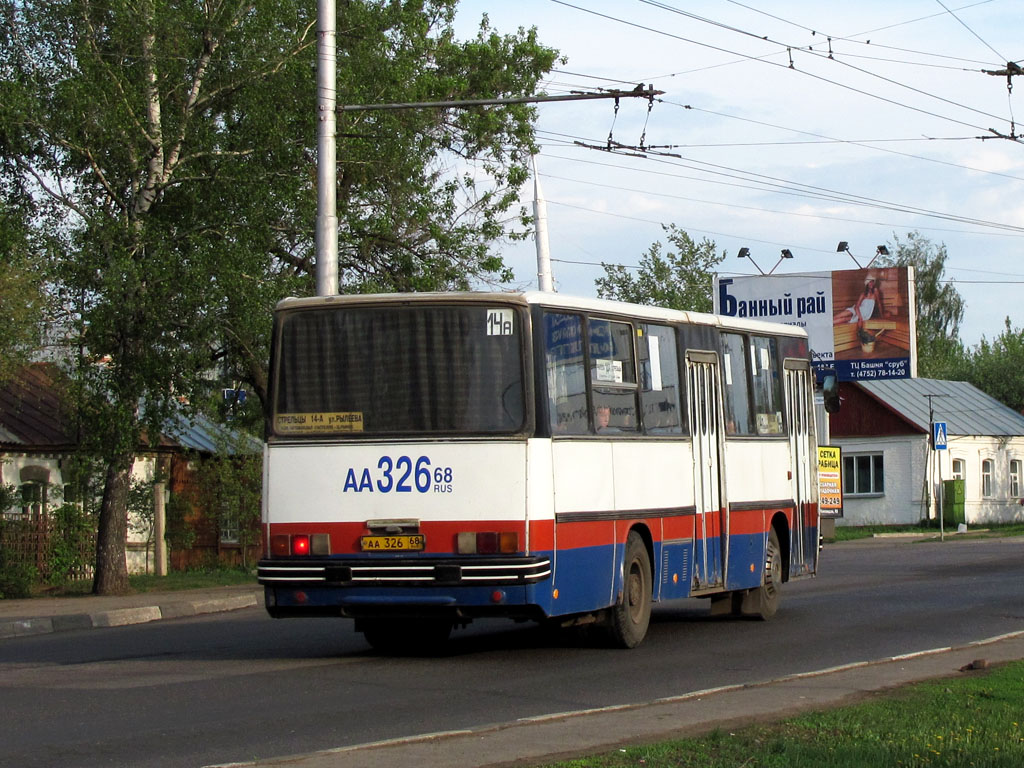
[{"x": 241, "y": 686}]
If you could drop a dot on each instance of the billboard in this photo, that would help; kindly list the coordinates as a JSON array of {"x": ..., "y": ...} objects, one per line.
[{"x": 859, "y": 322}]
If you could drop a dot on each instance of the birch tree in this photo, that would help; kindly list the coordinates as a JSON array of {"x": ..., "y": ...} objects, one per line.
[{"x": 173, "y": 144}]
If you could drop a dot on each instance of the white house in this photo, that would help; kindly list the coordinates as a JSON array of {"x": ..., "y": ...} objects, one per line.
[{"x": 892, "y": 474}]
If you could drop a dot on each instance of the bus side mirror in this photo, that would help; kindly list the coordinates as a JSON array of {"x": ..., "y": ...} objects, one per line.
[{"x": 830, "y": 392}]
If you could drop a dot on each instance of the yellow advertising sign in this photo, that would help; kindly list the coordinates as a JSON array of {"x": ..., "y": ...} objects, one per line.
[
  {"x": 830, "y": 481},
  {"x": 318, "y": 423}
]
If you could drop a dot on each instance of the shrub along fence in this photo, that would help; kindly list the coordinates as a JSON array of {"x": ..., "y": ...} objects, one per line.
[{"x": 53, "y": 547}]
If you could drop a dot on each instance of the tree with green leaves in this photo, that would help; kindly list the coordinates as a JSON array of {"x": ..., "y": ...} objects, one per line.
[
  {"x": 676, "y": 279},
  {"x": 22, "y": 299},
  {"x": 174, "y": 147},
  {"x": 940, "y": 308},
  {"x": 995, "y": 367}
]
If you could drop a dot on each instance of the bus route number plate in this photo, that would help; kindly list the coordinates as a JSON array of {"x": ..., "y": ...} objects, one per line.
[{"x": 413, "y": 543}]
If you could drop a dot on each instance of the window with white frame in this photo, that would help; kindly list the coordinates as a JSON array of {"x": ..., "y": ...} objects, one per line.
[
  {"x": 987, "y": 469},
  {"x": 959, "y": 469},
  {"x": 1014, "y": 478},
  {"x": 864, "y": 474}
]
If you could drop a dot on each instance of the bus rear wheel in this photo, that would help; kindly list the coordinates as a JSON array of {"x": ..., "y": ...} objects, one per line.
[
  {"x": 629, "y": 618},
  {"x": 415, "y": 637}
]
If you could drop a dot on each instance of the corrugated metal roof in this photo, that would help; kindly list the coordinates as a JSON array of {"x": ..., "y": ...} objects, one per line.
[
  {"x": 33, "y": 416},
  {"x": 965, "y": 408},
  {"x": 32, "y": 409},
  {"x": 199, "y": 433}
]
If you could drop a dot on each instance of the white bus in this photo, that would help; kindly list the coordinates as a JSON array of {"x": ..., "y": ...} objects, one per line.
[{"x": 436, "y": 458}]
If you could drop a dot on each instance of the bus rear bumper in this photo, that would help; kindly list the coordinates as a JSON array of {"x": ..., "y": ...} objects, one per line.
[
  {"x": 404, "y": 571},
  {"x": 461, "y": 589}
]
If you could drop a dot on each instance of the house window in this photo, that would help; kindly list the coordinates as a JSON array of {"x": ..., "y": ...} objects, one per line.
[
  {"x": 987, "y": 467},
  {"x": 1014, "y": 478},
  {"x": 33, "y": 499},
  {"x": 229, "y": 532},
  {"x": 958, "y": 469},
  {"x": 864, "y": 475}
]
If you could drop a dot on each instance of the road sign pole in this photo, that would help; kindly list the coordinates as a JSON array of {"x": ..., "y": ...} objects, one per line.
[
  {"x": 942, "y": 517},
  {"x": 940, "y": 439}
]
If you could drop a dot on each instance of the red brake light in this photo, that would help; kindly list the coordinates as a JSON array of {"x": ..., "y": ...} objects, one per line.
[{"x": 300, "y": 544}]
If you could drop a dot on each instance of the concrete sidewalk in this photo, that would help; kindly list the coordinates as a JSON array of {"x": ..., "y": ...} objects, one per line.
[{"x": 43, "y": 615}]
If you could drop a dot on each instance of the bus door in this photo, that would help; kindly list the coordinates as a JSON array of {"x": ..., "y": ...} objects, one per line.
[
  {"x": 702, "y": 383},
  {"x": 803, "y": 549}
]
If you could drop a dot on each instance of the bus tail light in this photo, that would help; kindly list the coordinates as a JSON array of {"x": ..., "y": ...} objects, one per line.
[
  {"x": 488, "y": 543},
  {"x": 282, "y": 544}
]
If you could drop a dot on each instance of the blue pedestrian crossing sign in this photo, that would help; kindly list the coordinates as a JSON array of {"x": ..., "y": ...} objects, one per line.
[{"x": 939, "y": 435}]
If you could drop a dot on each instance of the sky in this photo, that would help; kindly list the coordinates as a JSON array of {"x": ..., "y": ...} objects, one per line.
[{"x": 783, "y": 125}]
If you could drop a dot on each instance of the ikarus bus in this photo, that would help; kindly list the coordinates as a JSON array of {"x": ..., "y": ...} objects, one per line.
[{"x": 436, "y": 458}]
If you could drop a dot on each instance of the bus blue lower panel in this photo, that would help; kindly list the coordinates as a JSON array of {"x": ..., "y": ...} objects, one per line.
[
  {"x": 746, "y": 561},
  {"x": 585, "y": 578}
]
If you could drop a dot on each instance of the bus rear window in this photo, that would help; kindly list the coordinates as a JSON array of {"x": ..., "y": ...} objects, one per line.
[{"x": 351, "y": 371}]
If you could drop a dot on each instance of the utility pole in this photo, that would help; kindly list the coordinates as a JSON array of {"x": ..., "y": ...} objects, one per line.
[
  {"x": 326, "y": 150},
  {"x": 540, "y": 223}
]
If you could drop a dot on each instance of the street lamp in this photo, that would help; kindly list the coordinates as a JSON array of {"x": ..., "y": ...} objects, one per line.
[
  {"x": 744, "y": 253},
  {"x": 844, "y": 247}
]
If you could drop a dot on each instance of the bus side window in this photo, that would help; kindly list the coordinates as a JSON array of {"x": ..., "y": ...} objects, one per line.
[
  {"x": 613, "y": 376},
  {"x": 737, "y": 396},
  {"x": 660, "y": 394},
  {"x": 764, "y": 364},
  {"x": 565, "y": 373}
]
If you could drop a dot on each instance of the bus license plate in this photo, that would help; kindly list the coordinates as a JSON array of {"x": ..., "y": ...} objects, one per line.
[{"x": 393, "y": 543}]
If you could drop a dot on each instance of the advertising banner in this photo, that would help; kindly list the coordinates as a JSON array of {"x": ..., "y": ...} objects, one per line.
[
  {"x": 830, "y": 481},
  {"x": 859, "y": 322}
]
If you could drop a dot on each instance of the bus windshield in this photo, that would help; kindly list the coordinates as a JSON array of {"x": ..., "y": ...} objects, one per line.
[{"x": 410, "y": 370}]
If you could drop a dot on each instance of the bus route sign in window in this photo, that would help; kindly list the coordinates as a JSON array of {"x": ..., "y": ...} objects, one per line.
[{"x": 355, "y": 371}]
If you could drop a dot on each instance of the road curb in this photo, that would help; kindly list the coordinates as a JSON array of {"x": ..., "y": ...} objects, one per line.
[{"x": 122, "y": 617}]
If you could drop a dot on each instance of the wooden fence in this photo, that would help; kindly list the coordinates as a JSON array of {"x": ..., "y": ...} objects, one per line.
[{"x": 32, "y": 540}]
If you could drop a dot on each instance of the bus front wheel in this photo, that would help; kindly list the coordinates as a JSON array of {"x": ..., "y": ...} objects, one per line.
[{"x": 629, "y": 618}]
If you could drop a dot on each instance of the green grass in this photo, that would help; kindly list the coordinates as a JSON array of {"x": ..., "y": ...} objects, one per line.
[
  {"x": 852, "y": 533},
  {"x": 976, "y": 720},
  {"x": 176, "y": 580}
]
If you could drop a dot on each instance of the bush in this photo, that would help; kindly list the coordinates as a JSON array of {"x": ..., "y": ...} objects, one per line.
[
  {"x": 16, "y": 579},
  {"x": 72, "y": 546}
]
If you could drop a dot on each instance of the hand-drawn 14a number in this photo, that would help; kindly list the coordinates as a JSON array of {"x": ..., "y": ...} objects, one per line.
[{"x": 400, "y": 475}]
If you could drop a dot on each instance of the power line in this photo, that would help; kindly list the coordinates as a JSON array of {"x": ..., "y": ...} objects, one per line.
[
  {"x": 951, "y": 13},
  {"x": 808, "y": 192},
  {"x": 737, "y": 206},
  {"x": 860, "y": 91},
  {"x": 855, "y": 143},
  {"x": 810, "y": 51}
]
